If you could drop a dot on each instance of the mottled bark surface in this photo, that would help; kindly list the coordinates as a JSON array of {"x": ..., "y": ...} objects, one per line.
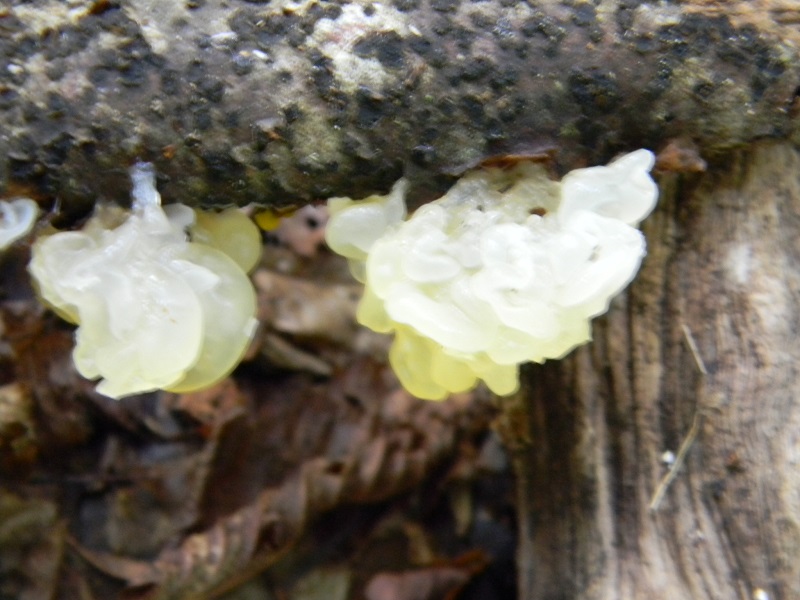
[
  {"x": 276, "y": 102},
  {"x": 589, "y": 432}
]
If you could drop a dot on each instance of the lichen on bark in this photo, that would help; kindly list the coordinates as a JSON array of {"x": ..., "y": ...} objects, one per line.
[{"x": 285, "y": 102}]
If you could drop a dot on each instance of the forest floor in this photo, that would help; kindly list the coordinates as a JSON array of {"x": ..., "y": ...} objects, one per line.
[{"x": 307, "y": 474}]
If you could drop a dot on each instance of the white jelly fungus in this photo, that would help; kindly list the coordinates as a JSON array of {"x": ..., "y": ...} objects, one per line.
[
  {"x": 155, "y": 311},
  {"x": 232, "y": 232},
  {"x": 16, "y": 219},
  {"x": 507, "y": 267}
]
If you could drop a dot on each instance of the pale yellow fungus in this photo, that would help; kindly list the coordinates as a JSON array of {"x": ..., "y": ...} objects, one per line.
[
  {"x": 154, "y": 310},
  {"x": 232, "y": 232},
  {"x": 268, "y": 220},
  {"x": 507, "y": 267},
  {"x": 17, "y": 218}
]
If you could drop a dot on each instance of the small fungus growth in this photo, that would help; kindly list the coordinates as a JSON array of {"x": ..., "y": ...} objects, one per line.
[
  {"x": 507, "y": 267},
  {"x": 155, "y": 310},
  {"x": 16, "y": 220}
]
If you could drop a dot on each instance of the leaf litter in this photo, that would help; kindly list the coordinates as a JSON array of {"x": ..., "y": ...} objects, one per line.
[{"x": 280, "y": 479}]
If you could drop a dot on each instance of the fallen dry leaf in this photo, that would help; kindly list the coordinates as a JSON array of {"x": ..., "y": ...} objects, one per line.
[
  {"x": 356, "y": 456},
  {"x": 442, "y": 581},
  {"x": 170, "y": 496},
  {"x": 31, "y": 548},
  {"x": 680, "y": 155}
]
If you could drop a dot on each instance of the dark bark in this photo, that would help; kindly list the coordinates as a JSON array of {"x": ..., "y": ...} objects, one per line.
[
  {"x": 590, "y": 430},
  {"x": 281, "y": 102}
]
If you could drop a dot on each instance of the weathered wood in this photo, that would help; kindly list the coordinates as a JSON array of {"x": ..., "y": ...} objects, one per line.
[
  {"x": 590, "y": 430},
  {"x": 281, "y": 101}
]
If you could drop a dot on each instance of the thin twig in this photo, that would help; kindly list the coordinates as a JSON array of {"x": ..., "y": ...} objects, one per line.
[
  {"x": 693, "y": 347},
  {"x": 670, "y": 476},
  {"x": 665, "y": 482}
]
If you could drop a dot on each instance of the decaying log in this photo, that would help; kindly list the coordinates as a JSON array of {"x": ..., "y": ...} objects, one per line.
[{"x": 283, "y": 101}]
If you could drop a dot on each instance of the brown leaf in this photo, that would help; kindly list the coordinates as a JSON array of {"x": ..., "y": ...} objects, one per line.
[
  {"x": 680, "y": 155},
  {"x": 201, "y": 562},
  {"x": 345, "y": 454},
  {"x": 423, "y": 584},
  {"x": 31, "y": 548},
  {"x": 18, "y": 444},
  {"x": 168, "y": 486},
  {"x": 43, "y": 366},
  {"x": 307, "y": 308},
  {"x": 444, "y": 580},
  {"x": 134, "y": 572},
  {"x": 211, "y": 406},
  {"x": 281, "y": 353}
]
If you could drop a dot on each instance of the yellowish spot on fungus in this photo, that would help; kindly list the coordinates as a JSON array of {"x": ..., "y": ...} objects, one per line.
[{"x": 230, "y": 231}]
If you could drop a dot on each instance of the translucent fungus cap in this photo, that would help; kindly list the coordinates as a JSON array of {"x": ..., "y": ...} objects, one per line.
[
  {"x": 16, "y": 219},
  {"x": 358, "y": 224},
  {"x": 232, "y": 232},
  {"x": 507, "y": 267},
  {"x": 154, "y": 310}
]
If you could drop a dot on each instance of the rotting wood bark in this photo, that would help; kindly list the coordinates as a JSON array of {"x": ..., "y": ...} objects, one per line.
[
  {"x": 723, "y": 262},
  {"x": 286, "y": 102}
]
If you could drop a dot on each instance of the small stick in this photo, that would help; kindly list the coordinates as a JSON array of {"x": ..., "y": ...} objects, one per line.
[
  {"x": 670, "y": 476},
  {"x": 665, "y": 482},
  {"x": 693, "y": 347}
]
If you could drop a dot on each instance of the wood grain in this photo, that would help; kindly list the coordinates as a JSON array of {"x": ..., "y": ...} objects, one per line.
[{"x": 723, "y": 261}]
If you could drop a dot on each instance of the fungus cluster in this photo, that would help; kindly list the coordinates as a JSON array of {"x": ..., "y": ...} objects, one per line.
[
  {"x": 507, "y": 267},
  {"x": 155, "y": 310}
]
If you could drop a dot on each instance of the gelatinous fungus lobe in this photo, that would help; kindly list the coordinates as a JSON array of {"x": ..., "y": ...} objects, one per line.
[{"x": 507, "y": 267}]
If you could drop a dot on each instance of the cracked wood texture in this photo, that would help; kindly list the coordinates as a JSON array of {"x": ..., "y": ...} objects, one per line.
[{"x": 588, "y": 433}]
